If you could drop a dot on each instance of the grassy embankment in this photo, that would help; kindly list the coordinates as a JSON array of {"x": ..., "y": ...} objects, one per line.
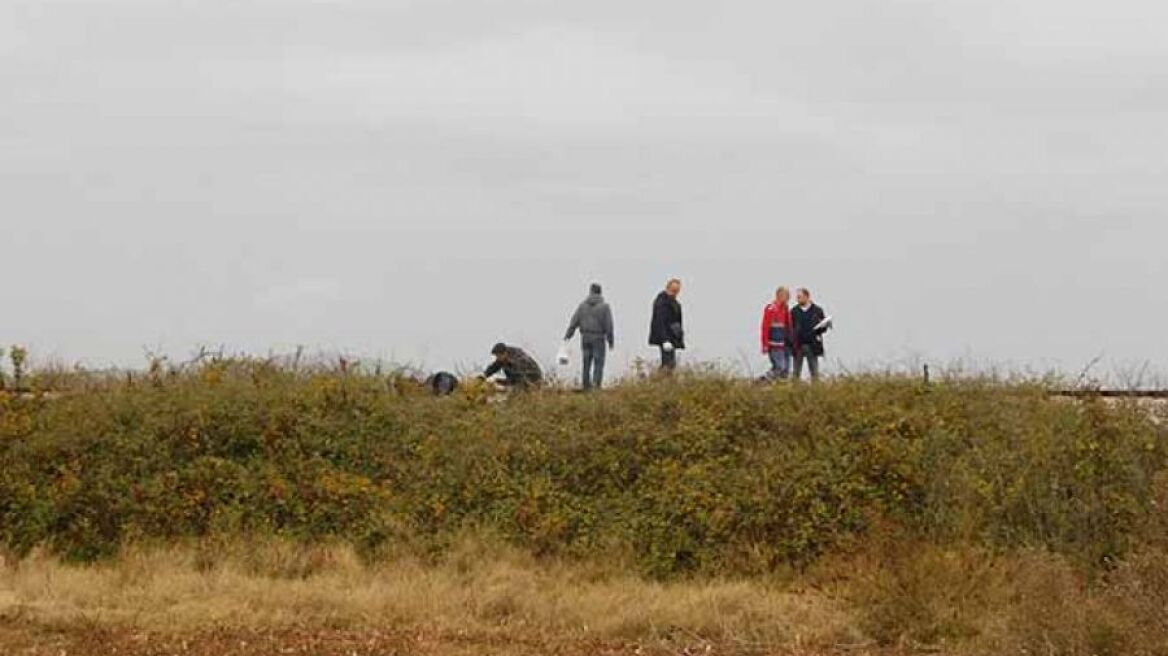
[{"x": 975, "y": 516}]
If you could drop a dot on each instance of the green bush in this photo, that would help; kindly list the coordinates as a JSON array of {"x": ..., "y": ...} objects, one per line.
[{"x": 694, "y": 475}]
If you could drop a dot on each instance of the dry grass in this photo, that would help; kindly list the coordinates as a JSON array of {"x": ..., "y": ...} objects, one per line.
[
  {"x": 974, "y": 602},
  {"x": 497, "y": 594},
  {"x": 887, "y": 598}
]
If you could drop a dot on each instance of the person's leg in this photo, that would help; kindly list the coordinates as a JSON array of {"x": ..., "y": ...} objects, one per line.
[
  {"x": 588, "y": 353},
  {"x": 798, "y": 365},
  {"x": 668, "y": 360},
  {"x": 599, "y": 352},
  {"x": 784, "y": 363},
  {"x": 813, "y": 365},
  {"x": 774, "y": 356}
]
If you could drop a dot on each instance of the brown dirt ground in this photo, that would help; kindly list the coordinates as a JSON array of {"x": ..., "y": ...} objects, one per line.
[{"x": 25, "y": 639}]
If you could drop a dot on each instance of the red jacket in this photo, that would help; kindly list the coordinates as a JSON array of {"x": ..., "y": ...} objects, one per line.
[{"x": 775, "y": 313}]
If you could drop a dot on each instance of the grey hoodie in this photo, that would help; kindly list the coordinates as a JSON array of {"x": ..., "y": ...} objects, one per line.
[{"x": 594, "y": 319}]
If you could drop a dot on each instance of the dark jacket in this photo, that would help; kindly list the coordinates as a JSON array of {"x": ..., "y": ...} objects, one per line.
[
  {"x": 519, "y": 368},
  {"x": 594, "y": 319},
  {"x": 806, "y": 335},
  {"x": 666, "y": 325}
]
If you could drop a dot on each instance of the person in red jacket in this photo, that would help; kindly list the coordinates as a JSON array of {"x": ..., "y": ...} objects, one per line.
[{"x": 776, "y": 334}]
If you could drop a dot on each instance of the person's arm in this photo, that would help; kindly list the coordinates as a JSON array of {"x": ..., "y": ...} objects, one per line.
[
  {"x": 765, "y": 331},
  {"x": 493, "y": 369},
  {"x": 609, "y": 331},
  {"x": 678, "y": 335},
  {"x": 573, "y": 325},
  {"x": 819, "y": 317}
]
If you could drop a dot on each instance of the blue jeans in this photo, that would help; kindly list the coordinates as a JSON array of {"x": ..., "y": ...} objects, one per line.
[
  {"x": 780, "y": 363},
  {"x": 594, "y": 351}
]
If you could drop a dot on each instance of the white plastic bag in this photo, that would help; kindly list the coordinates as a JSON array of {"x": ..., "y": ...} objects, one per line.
[{"x": 562, "y": 356}]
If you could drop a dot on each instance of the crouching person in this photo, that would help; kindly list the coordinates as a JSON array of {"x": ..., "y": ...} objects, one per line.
[{"x": 520, "y": 370}]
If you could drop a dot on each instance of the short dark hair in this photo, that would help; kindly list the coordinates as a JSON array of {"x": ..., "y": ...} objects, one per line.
[
  {"x": 595, "y": 288},
  {"x": 805, "y": 291},
  {"x": 499, "y": 349}
]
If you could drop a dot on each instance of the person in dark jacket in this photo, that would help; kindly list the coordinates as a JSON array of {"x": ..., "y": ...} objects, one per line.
[
  {"x": 666, "y": 331},
  {"x": 808, "y": 321},
  {"x": 593, "y": 318},
  {"x": 520, "y": 370}
]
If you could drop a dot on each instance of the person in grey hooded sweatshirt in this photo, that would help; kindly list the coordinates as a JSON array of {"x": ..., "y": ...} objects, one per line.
[{"x": 594, "y": 320}]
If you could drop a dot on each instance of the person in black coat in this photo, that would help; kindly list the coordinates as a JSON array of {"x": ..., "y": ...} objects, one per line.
[
  {"x": 520, "y": 370},
  {"x": 806, "y": 318},
  {"x": 666, "y": 331}
]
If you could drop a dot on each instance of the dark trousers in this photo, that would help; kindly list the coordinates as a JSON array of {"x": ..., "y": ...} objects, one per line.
[
  {"x": 517, "y": 381},
  {"x": 513, "y": 381},
  {"x": 812, "y": 360},
  {"x": 668, "y": 360},
  {"x": 594, "y": 351}
]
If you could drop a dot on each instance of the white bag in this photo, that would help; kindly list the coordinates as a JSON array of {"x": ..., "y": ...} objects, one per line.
[{"x": 562, "y": 356}]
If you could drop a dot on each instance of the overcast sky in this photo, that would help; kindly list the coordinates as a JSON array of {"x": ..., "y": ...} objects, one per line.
[{"x": 419, "y": 179}]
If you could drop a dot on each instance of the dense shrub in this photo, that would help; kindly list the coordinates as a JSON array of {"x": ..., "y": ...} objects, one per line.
[{"x": 697, "y": 474}]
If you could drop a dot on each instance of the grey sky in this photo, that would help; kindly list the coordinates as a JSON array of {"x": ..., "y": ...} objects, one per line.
[{"x": 954, "y": 178}]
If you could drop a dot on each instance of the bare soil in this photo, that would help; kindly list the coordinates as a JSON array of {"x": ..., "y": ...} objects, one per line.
[{"x": 24, "y": 639}]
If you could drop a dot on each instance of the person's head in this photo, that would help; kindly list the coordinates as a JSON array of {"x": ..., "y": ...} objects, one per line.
[
  {"x": 594, "y": 289},
  {"x": 673, "y": 287},
  {"x": 782, "y": 295},
  {"x": 499, "y": 351},
  {"x": 803, "y": 296}
]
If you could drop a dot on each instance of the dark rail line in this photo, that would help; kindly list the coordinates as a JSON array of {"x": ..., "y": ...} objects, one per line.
[{"x": 1111, "y": 394}]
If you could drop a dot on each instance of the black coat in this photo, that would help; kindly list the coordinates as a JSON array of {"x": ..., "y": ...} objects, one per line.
[
  {"x": 804, "y": 322},
  {"x": 666, "y": 325},
  {"x": 520, "y": 368}
]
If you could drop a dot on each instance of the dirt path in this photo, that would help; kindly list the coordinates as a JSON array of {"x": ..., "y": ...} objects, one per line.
[{"x": 23, "y": 639}]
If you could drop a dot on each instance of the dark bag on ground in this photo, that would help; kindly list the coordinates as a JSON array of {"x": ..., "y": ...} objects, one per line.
[{"x": 442, "y": 383}]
